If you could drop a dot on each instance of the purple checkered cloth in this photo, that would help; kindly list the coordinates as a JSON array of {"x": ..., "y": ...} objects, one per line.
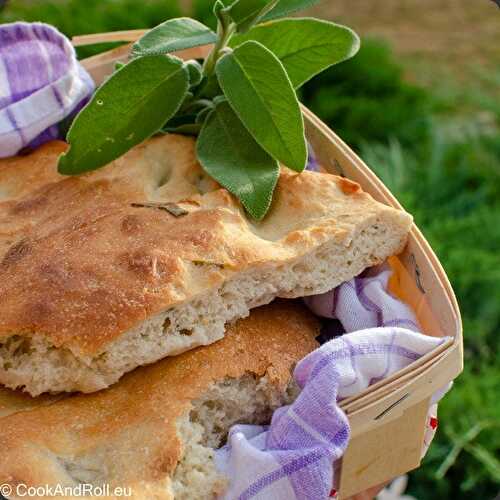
[
  {"x": 41, "y": 84},
  {"x": 312, "y": 162},
  {"x": 293, "y": 457}
]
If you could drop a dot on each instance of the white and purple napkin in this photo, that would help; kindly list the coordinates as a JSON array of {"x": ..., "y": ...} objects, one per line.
[
  {"x": 292, "y": 458},
  {"x": 41, "y": 84}
]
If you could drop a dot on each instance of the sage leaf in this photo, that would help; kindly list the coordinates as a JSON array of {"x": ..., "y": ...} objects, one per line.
[
  {"x": 195, "y": 72},
  {"x": 246, "y": 13},
  {"x": 202, "y": 115},
  {"x": 172, "y": 35},
  {"x": 188, "y": 129},
  {"x": 231, "y": 156},
  {"x": 128, "y": 108},
  {"x": 178, "y": 123},
  {"x": 222, "y": 14},
  {"x": 260, "y": 92},
  {"x": 218, "y": 8},
  {"x": 209, "y": 87},
  {"x": 305, "y": 46},
  {"x": 119, "y": 65},
  {"x": 285, "y": 7}
]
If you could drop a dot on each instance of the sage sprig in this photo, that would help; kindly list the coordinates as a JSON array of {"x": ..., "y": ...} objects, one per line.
[{"x": 240, "y": 103}]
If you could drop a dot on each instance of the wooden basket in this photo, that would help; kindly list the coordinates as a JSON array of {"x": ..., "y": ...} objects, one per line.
[{"x": 388, "y": 419}]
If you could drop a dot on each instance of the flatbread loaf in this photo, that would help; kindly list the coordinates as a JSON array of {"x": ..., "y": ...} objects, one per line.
[
  {"x": 156, "y": 430},
  {"x": 149, "y": 257},
  {"x": 14, "y": 401}
]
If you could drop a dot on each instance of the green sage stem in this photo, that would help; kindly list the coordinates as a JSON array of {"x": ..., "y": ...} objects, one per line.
[{"x": 224, "y": 34}]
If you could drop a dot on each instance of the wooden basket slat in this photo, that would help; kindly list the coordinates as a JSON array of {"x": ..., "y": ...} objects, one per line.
[
  {"x": 112, "y": 36},
  {"x": 398, "y": 379},
  {"x": 401, "y": 384}
]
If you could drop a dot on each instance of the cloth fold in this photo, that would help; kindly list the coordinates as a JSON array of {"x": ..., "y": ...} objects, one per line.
[
  {"x": 41, "y": 84},
  {"x": 364, "y": 302},
  {"x": 293, "y": 456}
]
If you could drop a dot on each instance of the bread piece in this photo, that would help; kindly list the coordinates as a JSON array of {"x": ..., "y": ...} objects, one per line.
[
  {"x": 15, "y": 401},
  {"x": 156, "y": 429},
  {"x": 95, "y": 279}
]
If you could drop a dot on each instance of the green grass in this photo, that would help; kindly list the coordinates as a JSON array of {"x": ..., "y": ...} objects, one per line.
[
  {"x": 367, "y": 98},
  {"x": 438, "y": 150}
]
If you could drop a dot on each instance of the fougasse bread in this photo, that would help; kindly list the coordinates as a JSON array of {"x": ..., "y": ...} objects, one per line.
[
  {"x": 156, "y": 430},
  {"x": 149, "y": 257}
]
